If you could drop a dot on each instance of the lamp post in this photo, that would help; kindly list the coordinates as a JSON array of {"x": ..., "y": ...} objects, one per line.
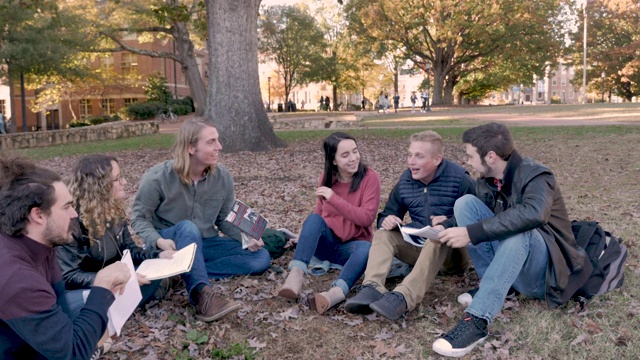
[
  {"x": 428, "y": 85},
  {"x": 603, "y": 75},
  {"x": 269, "y": 91}
]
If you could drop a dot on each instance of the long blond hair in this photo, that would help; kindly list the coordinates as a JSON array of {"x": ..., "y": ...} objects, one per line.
[
  {"x": 188, "y": 135},
  {"x": 91, "y": 186}
]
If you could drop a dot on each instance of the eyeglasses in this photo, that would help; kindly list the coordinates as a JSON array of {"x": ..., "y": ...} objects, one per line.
[{"x": 121, "y": 179}]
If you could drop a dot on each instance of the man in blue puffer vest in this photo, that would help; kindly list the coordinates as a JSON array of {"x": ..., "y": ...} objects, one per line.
[{"x": 428, "y": 189}]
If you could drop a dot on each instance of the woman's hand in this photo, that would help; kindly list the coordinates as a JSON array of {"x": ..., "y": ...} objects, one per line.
[
  {"x": 166, "y": 244},
  {"x": 324, "y": 191}
]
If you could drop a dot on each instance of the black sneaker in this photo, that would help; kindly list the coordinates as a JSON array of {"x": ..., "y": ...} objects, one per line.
[
  {"x": 469, "y": 332},
  {"x": 365, "y": 296},
  {"x": 466, "y": 298},
  {"x": 391, "y": 305}
]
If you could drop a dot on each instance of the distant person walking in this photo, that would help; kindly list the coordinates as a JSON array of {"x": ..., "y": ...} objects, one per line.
[
  {"x": 327, "y": 103},
  {"x": 413, "y": 98},
  {"x": 364, "y": 104},
  {"x": 302, "y": 102},
  {"x": 424, "y": 97},
  {"x": 2, "y": 124},
  {"x": 396, "y": 102},
  {"x": 321, "y": 102}
]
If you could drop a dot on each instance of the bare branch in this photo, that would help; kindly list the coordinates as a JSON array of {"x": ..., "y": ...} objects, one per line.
[{"x": 155, "y": 54}]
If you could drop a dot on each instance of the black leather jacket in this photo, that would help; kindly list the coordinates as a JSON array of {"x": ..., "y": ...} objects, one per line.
[
  {"x": 530, "y": 199},
  {"x": 80, "y": 260}
]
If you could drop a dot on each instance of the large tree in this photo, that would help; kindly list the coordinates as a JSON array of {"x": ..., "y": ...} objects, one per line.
[
  {"x": 613, "y": 39},
  {"x": 293, "y": 38},
  {"x": 459, "y": 38},
  {"x": 233, "y": 101}
]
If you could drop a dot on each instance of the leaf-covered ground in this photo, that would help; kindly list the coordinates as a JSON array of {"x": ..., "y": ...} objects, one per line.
[{"x": 598, "y": 173}]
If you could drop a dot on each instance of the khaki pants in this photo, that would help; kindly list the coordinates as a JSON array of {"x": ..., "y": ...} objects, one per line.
[{"x": 426, "y": 261}]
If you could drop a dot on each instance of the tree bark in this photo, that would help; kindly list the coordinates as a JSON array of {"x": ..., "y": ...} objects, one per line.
[
  {"x": 185, "y": 48},
  {"x": 234, "y": 103}
]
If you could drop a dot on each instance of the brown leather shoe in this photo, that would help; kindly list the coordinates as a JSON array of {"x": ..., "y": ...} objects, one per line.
[{"x": 210, "y": 307}]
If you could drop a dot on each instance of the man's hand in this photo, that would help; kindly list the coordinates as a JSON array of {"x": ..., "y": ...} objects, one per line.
[
  {"x": 390, "y": 222},
  {"x": 167, "y": 254},
  {"x": 456, "y": 237},
  {"x": 113, "y": 277},
  {"x": 142, "y": 279},
  {"x": 324, "y": 191},
  {"x": 166, "y": 244},
  {"x": 435, "y": 220},
  {"x": 255, "y": 245}
]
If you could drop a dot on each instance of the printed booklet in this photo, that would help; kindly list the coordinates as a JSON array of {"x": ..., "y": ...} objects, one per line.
[
  {"x": 418, "y": 237},
  {"x": 250, "y": 223},
  {"x": 180, "y": 262}
]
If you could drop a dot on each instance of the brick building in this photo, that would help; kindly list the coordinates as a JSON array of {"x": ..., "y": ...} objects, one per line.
[{"x": 109, "y": 98}]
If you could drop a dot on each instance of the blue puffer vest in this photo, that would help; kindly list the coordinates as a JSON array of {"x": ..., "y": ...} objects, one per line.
[{"x": 436, "y": 198}]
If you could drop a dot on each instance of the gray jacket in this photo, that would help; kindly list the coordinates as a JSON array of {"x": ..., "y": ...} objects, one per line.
[{"x": 163, "y": 201}]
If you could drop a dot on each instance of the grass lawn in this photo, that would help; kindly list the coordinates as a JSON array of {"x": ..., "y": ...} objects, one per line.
[{"x": 597, "y": 167}]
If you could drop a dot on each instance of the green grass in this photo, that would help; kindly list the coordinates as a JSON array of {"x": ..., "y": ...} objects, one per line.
[
  {"x": 164, "y": 141},
  {"x": 156, "y": 141}
]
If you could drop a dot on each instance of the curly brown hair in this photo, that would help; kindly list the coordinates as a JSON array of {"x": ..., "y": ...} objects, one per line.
[{"x": 91, "y": 186}]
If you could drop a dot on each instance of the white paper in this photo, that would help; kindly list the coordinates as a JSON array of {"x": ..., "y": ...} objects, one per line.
[
  {"x": 126, "y": 303},
  {"x": 426, "y": 233}
]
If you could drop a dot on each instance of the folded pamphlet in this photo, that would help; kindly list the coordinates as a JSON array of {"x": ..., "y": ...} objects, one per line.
[
  {"x": 250, "y": 223},
  {"x": 418, "y": 237}
]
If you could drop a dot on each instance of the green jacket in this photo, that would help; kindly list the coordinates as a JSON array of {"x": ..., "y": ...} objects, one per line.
[{"x": 163, "y": 201}]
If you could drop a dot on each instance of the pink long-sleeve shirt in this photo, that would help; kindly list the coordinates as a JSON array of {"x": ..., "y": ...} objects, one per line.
[{"x": 351, "y": 215}]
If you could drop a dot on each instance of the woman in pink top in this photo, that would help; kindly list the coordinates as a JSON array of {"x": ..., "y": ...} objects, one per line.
[{"x": 340, "y": 228}]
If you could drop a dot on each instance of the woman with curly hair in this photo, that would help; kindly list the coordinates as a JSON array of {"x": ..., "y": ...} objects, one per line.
[{"x": 101, "y": 233}]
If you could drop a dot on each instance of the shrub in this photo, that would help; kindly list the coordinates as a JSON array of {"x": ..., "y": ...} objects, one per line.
[
  {"x": 78, "y": 123},
  {"x": 142, "y": 111},
  {"x": 95, "y": 120},
  {"x": 181, "y": 109}
]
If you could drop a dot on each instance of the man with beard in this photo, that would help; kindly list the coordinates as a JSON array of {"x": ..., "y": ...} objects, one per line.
[
  {"x": 518, "y": 235},
  {"x": 427, "y": 190},
  {"x": 35, "y": 319}
]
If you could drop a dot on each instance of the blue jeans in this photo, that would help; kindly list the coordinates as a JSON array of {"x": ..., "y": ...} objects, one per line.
[
  {"x": 519, "y": 261},
  {"x": 216, "y": 257},
  {"x": 316, "y": 238}
]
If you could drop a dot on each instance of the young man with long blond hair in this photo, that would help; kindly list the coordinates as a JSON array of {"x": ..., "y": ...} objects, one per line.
[{"x": 186, "y": 200}]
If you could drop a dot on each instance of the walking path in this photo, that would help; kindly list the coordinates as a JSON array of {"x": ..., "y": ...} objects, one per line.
[{"x": 405, "y": 116}]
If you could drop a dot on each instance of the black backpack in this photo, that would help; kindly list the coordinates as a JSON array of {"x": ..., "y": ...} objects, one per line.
[{"x": 607, "y": 254}]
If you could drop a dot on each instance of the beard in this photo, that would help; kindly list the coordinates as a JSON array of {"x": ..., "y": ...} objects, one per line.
[{"x": 54, "y": 236}]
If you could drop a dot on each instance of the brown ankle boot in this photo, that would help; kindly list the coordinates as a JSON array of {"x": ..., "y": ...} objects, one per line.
[
  {"x": 291, "y": 287},
  {"x": 328, "y": 299},
  {"x": 210, "y": 307}
]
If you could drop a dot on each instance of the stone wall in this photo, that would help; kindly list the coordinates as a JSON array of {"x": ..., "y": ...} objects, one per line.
[
  {"x": 313, "y": 121},
  {"x": 114, "y": 130}
]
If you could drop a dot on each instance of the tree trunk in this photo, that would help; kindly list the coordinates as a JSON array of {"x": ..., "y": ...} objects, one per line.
[
  {"x": 234, "y": 103},
  {"x": 449, "y": 85},
  {"x": 186, "y": 51},
  {"x": 335, "y": 97},
  {"x": 438, "y": 81}
]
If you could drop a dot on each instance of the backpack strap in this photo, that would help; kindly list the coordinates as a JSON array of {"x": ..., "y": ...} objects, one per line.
[{"x": 587, "y": 229}]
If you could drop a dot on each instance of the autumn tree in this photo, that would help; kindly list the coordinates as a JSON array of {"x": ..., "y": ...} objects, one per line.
[
  {"x": 613, "y": 39},
  {"x": 38, "y": 38},
  {"x": 292, "y": 37},
  {"x": 180, "y": 21},
  {"x": 460, "y": 38},
  {"x": 233, "y": 101}
]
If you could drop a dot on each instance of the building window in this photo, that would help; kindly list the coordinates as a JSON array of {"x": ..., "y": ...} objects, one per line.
[
  {"x": 85, "y": 108},
  {"x": 563, "y": 81},
  {"x": 129, "y": 101},
  {"x": 129, "y": 64},
  {"x": 554, "y": 93},
  {"x": 106, "y": 63},
  {"x": 554, "y": 82},
  {"x": 571, "y": 94},
  {"x": 183, "y": 78},
  {"x": 108, "y": 106},
  {"x": 3, "y": 107}
]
